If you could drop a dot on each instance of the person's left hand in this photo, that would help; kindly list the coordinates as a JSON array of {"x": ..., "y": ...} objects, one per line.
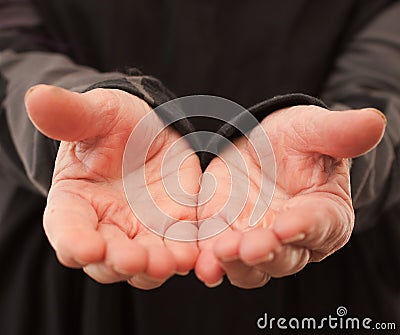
[{"x": 310, "y": 215}]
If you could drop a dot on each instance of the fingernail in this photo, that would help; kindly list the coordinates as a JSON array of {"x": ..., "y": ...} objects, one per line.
[
  {"x": 268, "y": 258},
  {"x": 80, "y": 262},
  {"x": 212, "y": 285},
  {"x": 376, "y": 111},
  {"x": 228, "y": 259},
  {"x": 295, "y": 238},
  {"x": 123, "y": 272},
  {"x": 28, "y": 92},
  {"x": 184, "y": 273}
]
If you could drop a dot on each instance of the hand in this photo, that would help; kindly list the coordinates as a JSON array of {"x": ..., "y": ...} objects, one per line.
[
  {"x": 310, "y": 215},
  {"x": 87, "y": 219}
]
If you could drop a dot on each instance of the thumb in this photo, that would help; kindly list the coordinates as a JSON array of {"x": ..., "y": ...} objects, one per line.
[
  {"x": 69, "y": 116},
  {"x": 343, "y": 134}
]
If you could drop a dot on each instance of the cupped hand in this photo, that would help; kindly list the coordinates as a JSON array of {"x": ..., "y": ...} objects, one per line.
[
  {"x": 310, "y": 215},
  {"x": 88, "y": 220},
  {"x": 90, "y": 224}
]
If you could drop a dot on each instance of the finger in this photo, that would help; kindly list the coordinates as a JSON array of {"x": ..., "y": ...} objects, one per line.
[
  {"x": 213, "y": 196},
  {"x": 322, "y": 223},
  {"x": 227, "y": 250},
  {"x": 103, "y": 273},
  {"x": 69, "y": 116},
  {"x": 70, "y": 224},
  {"x": 208, "y": 269},
  {"x": 260, "y": 248},
  {"x": 124, "y": 257},
  {"x": 161, "y": 264},
  {"x": 342, "y": 134},
  {"x": 288, "y": 260},
  {"x": 160, "y": 261},
  {"x": 261, "y": 256},
  {"x": 258, "y": 245},
  {"x": 184, "y": 253},
  {"x": 244, "y": 276},
  {"x": 226, "y": 247},
  {"x": 144, "y": 282}
]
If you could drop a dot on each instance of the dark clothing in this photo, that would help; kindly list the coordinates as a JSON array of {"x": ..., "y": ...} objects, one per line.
[{"x": 347, "y": 52}]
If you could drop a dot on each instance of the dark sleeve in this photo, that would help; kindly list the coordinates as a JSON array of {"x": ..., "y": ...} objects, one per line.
[
  {"x": 246, "y": 119},
  {"x": 29, "y": 56},
  {"x": 367, "y": 74}
]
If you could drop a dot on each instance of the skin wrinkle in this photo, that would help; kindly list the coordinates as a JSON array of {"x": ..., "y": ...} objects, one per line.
[
  {"x": 61, "y": 174},
  {"x": 334, "y": 237},
  {"x": 111, "y": 105},
  {"x": 303, "y": 258},
  {"x": 282, "y": 182},
  {"x": 157, "y": 144},
  {"x": 103, "y": 212},
  {"x": 54, "y": 203},
  {"x": 300, "y": 133},
  {"x": 157, "y": 169},
  {"x": 105, "y": 154},
  {"x": 109, "y": 210},
  {"x": 183, "y": 167}
]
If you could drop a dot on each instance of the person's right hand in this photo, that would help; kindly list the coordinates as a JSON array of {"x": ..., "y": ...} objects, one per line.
[{"x": 87, "y": 219}]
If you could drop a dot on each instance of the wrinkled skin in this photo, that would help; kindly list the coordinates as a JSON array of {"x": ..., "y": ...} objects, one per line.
[
  {"x": 87, "y": 219},
  {"x": 90, "y": 225},
  {"x": 310, "y": 215}
]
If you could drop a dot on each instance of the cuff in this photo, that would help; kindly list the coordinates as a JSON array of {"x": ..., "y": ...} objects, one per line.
[
  {"x": 154, "y": 93},
  {"x": 245, "y": 120}
]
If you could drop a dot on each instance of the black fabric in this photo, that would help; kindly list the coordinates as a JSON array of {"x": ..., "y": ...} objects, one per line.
[
  {"x": 264, "y": 108},
  {"x": 215, "y": 47},
  {"x": 245, "y": 122},
  {"x": 120, "y": 84}
]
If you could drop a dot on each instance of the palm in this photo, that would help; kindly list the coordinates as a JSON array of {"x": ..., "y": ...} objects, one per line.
[
  {"x": 310, "y": 214},
  {"x": 88, "y": 219}
]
